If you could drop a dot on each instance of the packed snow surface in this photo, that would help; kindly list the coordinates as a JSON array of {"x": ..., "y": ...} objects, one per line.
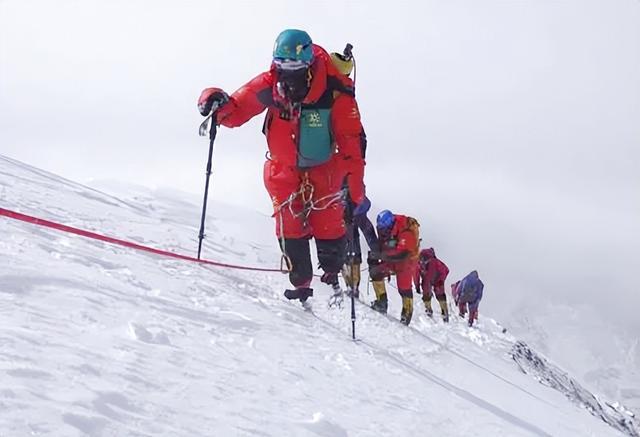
[{"x": 102, "y": 340}]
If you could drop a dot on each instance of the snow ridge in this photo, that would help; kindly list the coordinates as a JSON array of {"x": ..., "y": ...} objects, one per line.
[{"x": 550, "y": 375}]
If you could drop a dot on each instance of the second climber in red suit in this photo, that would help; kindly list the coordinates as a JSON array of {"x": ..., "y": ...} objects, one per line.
[
  {"x": 399, "y": 242},
  {"x": 313, "y": 132}
]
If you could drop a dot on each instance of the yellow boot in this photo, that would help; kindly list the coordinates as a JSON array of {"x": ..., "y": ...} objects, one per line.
[
  {"x": 444, "y": 308},
  {"x": 427, "y": 304},
  {"x": 407, "y": 310},
  {"x": 381, "y": 302}
]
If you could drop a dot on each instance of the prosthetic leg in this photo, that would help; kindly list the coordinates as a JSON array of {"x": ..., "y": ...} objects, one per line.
[
  {"x": 331, "y": 255},
  {"x": 351, "y": 275}
]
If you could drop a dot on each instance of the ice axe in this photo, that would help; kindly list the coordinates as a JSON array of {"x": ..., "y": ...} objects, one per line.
[
  {"x": 347, "y": 52},
  {"x": 347, "y": 57}
]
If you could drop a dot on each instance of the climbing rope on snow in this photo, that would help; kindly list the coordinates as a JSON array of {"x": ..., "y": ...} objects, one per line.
[{"x": 111, "y": 240}]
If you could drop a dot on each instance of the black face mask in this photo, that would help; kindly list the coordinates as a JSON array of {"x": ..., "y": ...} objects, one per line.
[
  {"x": 293, "y": 85},
  {"x": 384, "y": 234}
]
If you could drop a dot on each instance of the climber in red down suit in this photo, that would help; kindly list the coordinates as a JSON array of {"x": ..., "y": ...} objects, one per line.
[{"x": 313, "y": 131}]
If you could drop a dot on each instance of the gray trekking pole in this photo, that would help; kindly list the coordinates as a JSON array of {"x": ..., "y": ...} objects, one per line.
[
  {"x": 353, "y": 288},
  {"x": 351, "y": 245},
  {"x": 210, "y": 120}
]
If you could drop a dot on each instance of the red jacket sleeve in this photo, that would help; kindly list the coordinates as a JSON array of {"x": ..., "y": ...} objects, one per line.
[
  {"x": 348, "y": 135},
  {"x": 247, "y": 102}
]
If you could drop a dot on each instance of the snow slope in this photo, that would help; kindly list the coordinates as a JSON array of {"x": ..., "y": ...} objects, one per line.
[{"x": 102, "y": 340}]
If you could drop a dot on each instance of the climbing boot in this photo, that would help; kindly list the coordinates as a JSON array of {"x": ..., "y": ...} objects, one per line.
[
  {"x": 407, "y": 310},
  {"x": 301, "y": 293},
  {"x": 380, "y": 304},
  {"x": 444, "y": 308},
  {"x": 427, "y": 305}
]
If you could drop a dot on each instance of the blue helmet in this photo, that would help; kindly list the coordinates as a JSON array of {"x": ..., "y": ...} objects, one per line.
[
  {"x": 293, "y": 44},
  {"x": 385, "y": 220}
]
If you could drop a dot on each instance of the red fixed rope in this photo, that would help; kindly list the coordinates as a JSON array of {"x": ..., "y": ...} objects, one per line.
[{"x": 71, "y": 230}]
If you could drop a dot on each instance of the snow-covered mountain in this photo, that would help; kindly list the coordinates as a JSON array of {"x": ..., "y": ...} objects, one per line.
[{"x": 102, "y": 340}]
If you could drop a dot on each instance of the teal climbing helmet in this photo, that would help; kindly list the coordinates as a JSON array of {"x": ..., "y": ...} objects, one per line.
[{"x": 294, "y": 45}]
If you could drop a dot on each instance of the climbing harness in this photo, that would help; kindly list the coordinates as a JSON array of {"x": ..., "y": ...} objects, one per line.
[{"x": 306, "y": 195}]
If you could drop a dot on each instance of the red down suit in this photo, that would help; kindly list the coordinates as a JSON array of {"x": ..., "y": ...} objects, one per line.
[
  {"x": 430, "y": 273},
  {"x": 399, "y": 251},
  {"x": 290, "y": 185}
]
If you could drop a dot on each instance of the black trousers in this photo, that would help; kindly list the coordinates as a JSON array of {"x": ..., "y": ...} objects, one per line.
[{"x": 331, "y": 256}]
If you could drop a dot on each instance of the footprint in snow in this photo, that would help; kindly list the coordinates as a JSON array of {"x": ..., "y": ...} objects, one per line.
[
  {"x": 139, "y": 332},
  {"x": 323, "y": 427}
]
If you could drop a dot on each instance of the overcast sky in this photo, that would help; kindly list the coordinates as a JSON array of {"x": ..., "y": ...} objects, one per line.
[{"x": 509, "y": 128}]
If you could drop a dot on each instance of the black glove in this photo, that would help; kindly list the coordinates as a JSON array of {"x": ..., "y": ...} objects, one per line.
[
  {"x": 374, "y": 258},
  {"x": 211, "y": 99},
  {"x": 396, "y": 257},
  {"x": 377, "y": 272}
]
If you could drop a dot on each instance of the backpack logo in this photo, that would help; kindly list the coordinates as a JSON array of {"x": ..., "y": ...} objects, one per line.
[{"x": 314, "y": 120}]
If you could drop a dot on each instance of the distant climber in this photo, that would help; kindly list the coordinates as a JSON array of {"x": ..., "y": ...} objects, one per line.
[
  {"x": 467, "y": 293},
  {"x": 430, "y": 275},
  {"x": 399, "y": 244}
]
